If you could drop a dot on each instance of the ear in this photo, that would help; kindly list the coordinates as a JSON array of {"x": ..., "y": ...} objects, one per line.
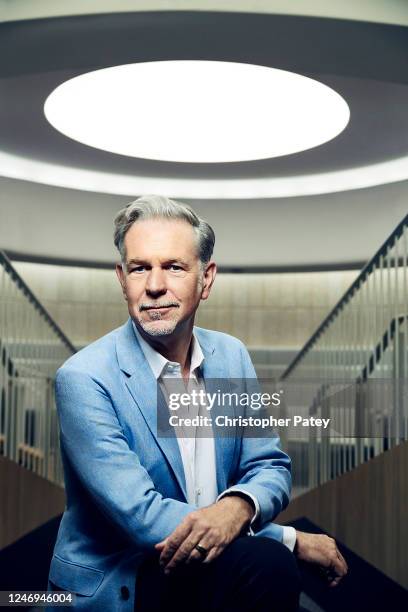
[
  {"x": 210, "y": 272},
  {"x": 122, "y": 279}
]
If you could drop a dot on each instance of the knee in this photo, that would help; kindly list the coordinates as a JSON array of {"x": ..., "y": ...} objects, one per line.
[
  {"x": 275, "y": 558},
  {"x": 273, "y": 564}
]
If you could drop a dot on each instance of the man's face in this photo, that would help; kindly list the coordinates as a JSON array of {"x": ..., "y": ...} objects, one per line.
[{"x": 163, "y": 281}]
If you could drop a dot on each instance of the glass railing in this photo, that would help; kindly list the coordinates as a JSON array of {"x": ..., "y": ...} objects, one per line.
[
  {"x": 355, "y": 370},
  {"x": 32, "y": 348}
]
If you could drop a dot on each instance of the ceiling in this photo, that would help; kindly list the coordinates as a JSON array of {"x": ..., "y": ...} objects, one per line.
[{"x": 355, "y": 187}]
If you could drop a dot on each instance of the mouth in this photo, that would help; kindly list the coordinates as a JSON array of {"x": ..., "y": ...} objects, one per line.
[{"x": 156, "y": 313}]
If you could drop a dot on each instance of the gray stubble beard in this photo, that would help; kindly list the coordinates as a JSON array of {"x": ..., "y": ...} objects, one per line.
[{"x": 158, "y": 331}]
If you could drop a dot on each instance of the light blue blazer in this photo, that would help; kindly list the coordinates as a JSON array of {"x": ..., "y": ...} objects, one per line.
[{"x": 125, "y": 485}]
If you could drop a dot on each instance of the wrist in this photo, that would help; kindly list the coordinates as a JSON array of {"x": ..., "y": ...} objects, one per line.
[
  {"x": 296, "y": 546},
  {"x": 300, "y": 545},
  {"x": 242, "y": 505}
]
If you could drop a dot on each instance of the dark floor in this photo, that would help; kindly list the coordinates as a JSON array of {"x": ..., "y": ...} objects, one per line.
[{"x": 24, "y": 566}]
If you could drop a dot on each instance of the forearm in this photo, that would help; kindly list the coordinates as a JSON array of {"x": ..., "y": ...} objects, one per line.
[{"x": 264, "y": 473}]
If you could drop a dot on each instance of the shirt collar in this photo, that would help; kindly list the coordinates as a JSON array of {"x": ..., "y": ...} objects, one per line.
[{"x": 158, "y": 363}]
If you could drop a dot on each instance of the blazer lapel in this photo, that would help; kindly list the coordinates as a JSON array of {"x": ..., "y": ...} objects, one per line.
[{"x": 143, "y": 388}]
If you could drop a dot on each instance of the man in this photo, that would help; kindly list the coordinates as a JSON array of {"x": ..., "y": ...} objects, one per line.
[{"x": 158, "y": 521}]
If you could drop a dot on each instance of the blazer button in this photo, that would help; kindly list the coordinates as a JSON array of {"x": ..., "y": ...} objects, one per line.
[{"x": 124, "y": 591}]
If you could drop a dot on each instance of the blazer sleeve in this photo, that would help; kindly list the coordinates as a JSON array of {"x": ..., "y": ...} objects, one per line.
[
  {"x": 97, "y": 450},
  {"x": 263, "y": 471}
]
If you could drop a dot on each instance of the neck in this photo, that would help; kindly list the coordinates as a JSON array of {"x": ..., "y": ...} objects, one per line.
[{"x": 174, "y": 347}]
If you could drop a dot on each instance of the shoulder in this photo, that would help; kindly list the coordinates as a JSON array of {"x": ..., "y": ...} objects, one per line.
[
  {"x": 95, "y": 357},
  {"x": 219, "y": 340},
  {"x": 229, "y": 353}
]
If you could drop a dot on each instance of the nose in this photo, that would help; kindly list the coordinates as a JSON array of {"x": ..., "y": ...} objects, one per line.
[{"x": 156, "y": 282}]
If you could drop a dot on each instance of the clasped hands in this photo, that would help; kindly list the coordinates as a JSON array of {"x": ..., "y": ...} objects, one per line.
[{"x": 215, "y": 526}]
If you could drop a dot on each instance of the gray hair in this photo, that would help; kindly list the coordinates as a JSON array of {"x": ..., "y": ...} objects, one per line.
[{"x": 153, "y": 206}]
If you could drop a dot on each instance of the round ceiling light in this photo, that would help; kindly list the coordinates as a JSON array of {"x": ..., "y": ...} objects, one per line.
[{"x": 197, "y": 111}]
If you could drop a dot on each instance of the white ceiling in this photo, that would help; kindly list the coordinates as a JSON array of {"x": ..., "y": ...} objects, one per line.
[{"x": 278, "y": 233}]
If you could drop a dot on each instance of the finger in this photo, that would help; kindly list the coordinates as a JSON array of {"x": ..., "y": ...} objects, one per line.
[
  {"x": 343, "y": 564},
  {"x": 213, "y": 554},
  {"x": 196, "y": 555},
  {"x": 173, "y": 542},
  {"x": 160, "y": 545},
  {"x": 343, "y": 559},
  {"x": 335, "y": 581},
  {"x": 182, "y": 553},
  {"x": 338, "y": 566}
]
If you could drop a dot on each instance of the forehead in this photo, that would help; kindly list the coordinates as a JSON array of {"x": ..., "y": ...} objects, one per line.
[{"x": 164, "y": 238}]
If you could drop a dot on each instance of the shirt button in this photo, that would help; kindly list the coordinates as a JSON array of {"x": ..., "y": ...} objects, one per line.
[{"x": 197, "y": 496}]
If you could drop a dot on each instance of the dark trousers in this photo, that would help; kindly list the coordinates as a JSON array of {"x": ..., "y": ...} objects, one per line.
[{"x": 252, "y": 574}]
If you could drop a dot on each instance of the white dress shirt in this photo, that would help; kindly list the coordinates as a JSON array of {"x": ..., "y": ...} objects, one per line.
[{"x": 197, "y": 453}]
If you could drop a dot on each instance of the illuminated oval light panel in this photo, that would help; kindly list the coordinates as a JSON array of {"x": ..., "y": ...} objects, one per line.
[{"x": 197, "y": 111}]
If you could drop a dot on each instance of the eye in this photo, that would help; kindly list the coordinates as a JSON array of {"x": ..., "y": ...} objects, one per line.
[
  {"x": 137, "y": 269},
  {"x": 175, "y": 268}
]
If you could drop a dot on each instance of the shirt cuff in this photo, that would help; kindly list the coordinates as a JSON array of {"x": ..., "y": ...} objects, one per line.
[
  {"x": 254, "y": 501},
  {"x": 289, "y": 537}
]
